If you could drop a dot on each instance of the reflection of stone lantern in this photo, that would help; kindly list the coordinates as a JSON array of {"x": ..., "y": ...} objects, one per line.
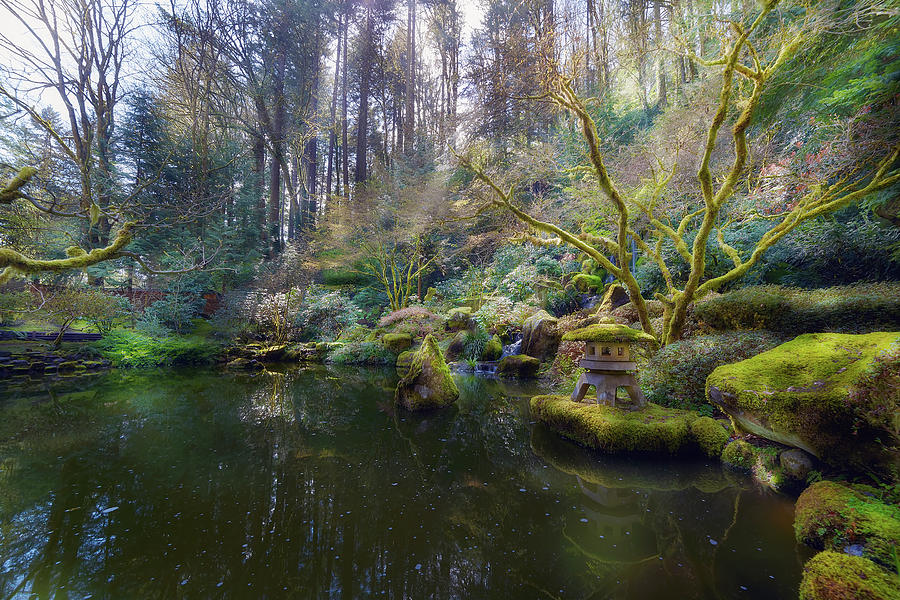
[{"x": 607, "y": 358}]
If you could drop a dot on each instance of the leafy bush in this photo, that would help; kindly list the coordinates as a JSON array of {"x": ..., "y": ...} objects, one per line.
[
  {"x": 175, "y": 311},
  {"x": 126, "y": 348},
  {"x": 676, "y": 376},
  {"x": 474, "y": 343},
  {"x": 362, "y": 353},
  {"x": 501, "y": 315},
  {"x": 324, "y": 314},
  {"x": 561, "y": 302},
  {"x": 12, "y": 304},
  {"x": 856, "y": 308}
]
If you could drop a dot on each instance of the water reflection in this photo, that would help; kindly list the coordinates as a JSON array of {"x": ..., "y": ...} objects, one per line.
[{"x": 306, "y": 483}]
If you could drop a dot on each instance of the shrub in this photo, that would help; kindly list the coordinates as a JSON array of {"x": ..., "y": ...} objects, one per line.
[
  {"x": 362, "y": 353},
  {"x": 561, "y": 302},
  {"x": 12, "y": 304},
  {"x": 676, "y": 375},
  {"x": 126, "y": 348},
  {"x": 414, "y": 320},
  {"x": 859, "y": 308},
  {"x": 501, "y": 315},
  {"x": 324, "y": 314}
]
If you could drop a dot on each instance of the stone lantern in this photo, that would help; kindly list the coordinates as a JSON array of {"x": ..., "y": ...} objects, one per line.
[{"x": 608, "y": 349}]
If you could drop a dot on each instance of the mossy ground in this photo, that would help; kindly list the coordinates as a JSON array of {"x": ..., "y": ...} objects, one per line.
[
  {"x": 834, "y": 516},
  {"x": 835, "y": 576},
  {"x": 759, "y": 461},
  {"x": 710, "y": 436},
  {"x": 797, "y": 394},
  {"x": 653, "y": 429}
]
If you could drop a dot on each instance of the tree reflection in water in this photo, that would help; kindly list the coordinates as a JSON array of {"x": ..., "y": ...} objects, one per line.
[{"x": 305, "y": 483}]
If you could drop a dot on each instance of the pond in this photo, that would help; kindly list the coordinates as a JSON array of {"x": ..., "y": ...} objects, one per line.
[{"x": 306, "y": 483}]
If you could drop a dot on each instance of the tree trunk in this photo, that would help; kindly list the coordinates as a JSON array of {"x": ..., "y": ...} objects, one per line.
[
  {"x": 661, "y": 98},
  {"x": 362, "y": 136},
  {"x": 332, "y": 135},
  {"x": 410, "y": 124},
  {"x": 345, "y": 158}
]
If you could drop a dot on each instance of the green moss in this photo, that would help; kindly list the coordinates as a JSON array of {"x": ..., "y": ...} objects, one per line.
[
  {"x": 518, "y": 365},
  {"x": 832, "y": 516},
  {"x": 493, "y": 349},
  {"x": 710, "y": 436},
  {"x": 585, "y": 283},
  {"x": 428, "y": 384},
  {"x": 397, "y": 342},
  {"x": 612, "y": 429},
  {"x": 608, "y": 332},
  {"x": 798, "y": 394},
  {"x": 834, "y": 576},
  {"x": 405, "y": 359}
]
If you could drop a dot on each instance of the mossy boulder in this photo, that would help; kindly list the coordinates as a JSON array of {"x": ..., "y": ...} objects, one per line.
[
  {"x": 608, "y": 332},
  {"x": 428, "y": 384},
  {"x": 653, "y": 429},
  {"x": 457, "y": 346},
  {"x": 460, "y": 318},
  {"x": 493, "y": 349},
  {"x": 835, "y": 576},
  {"x": 397, "y": 342},
  {"x": 801, "y": 394},
  {"x": 711, "y": 437},
  {"x": 759, "y": 461},
  {"x": 540, "y": 335},
  {"x": 518, "y": 365},
  {"x": 844, "y": 518}
]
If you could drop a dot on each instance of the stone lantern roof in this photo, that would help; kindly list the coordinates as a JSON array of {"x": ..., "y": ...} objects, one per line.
[{"x": 609, "y": 333}]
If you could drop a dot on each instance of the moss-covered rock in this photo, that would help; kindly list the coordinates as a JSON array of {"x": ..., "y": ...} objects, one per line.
[
  {"x": 799, "y": 394},
  {"x": 836, "y": 516},
  {"x": 540, "y": 335},
  {"x": 397, "y": 342},
  {"x": 835, "y": 576},
  {"x": 244, "y": 364},
  {"x": 608, "y": 332},
  {"x": 759, "y": 461},
  {"x": 457, "y": 346},
  {"x": 460, "y": 318},
  {"x": 711, "y": 437},
  {"x": 493, "y": 349},
  {"x": 612, "y": 429},
  {"x": 518, "y": 365},
  {"x": 428, "y": 384}
]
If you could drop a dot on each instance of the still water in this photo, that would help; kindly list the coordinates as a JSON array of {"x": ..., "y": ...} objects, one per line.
[{"x": 308, "y": 484}]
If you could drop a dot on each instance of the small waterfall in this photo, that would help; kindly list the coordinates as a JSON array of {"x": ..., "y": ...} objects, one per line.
[
  {"x": 486, "y": 368},
  {"x": 514, "y": 348}
]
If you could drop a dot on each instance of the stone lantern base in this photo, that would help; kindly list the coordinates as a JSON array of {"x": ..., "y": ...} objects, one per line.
[{"x": 607, "y": 379}]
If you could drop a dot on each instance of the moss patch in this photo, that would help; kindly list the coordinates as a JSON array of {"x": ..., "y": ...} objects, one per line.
[
  {"x": 608, "y": 332},
  {"x": 798, "y": 394},
  {"x": 613, "y": 429},
  {"x": 835, "y": 516},
  {"x": 759, "y": 461},
  {"x": 710, "y": 436},
  {"x": 834, "y": 576}
]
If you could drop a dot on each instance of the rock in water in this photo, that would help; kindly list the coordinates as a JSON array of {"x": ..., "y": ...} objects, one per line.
[
  {"x": 518, "y": 365},
  {"x": 428, "y": 384},
  {"x": 540, "y": 335},
  {"x": 807, "y": 394}
]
